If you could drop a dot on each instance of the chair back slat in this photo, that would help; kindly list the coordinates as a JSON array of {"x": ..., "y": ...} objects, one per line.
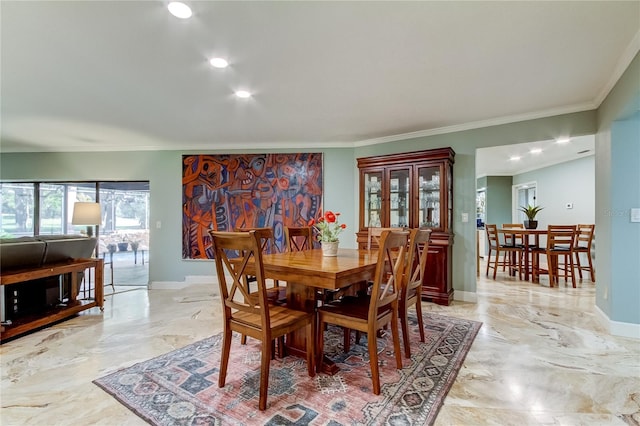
[
  {"x": 298, "y": 238},
  {"x": 235, "y": 291},
  {"x": 416, "y": 261},
  {"x": 492, "y": 235},
  {"x": 584, "y": 236},
  {"x": 266, "y": 238},
  {"x": 374, "y": 234},
  {"x": 513, "y": 239},
  {"x": 386, "y": 287},
  {"x": 561, "y": 237}
]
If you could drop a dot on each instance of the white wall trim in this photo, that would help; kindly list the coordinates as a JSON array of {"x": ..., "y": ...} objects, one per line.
[
  {"x": 465, "y": 296},
  {"x": 617, "y": 328},
  {"x": 188, "y": 280}
]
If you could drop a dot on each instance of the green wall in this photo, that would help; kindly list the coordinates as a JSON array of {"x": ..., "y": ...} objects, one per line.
[
  {"x": 498, "y": 200},
  {"x": 163, "y": 170},
  {"x": 617, "y": 186}
]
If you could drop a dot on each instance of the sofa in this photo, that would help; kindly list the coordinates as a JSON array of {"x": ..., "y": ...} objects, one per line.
[{"x": 42, "y": 250}]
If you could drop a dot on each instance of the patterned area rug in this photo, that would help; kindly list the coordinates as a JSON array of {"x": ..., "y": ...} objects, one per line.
[{"x": 181, "y": 387}]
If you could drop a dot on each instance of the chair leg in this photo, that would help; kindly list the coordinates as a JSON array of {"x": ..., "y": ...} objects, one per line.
[
  {"x": 578, "y": 266},
  {"x": 320, "y": 345},
  {"x": 488, "y": 260},
  {"x": 405, "y": 331},
  {"x": 224, "y": 360},
  {"x": 420, "y": 319},
  {"x": 373, "y": 360},
  {"x": 346, "y": 344},
  {"x": 311, "y": 365},
  {"x": 243, "y": 339},
  {"x": 396, "y": 338},
  {"x": 495, "y": 264},
  {"x": 264, "y": 375},
  {"x": 591, "y": 270}
]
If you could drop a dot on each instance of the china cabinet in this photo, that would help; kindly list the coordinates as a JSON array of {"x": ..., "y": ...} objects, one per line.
[{"x": 413, "y": 189}]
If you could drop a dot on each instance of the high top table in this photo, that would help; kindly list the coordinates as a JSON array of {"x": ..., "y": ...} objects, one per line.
[
  {"x": 308, "y": 271},
  {"x": 525, "y": 233}
]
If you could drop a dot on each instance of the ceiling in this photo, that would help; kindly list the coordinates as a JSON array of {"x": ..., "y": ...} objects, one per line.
[
  {"x": 499, "y": 161},
  {"x": 126, "y": 75}
]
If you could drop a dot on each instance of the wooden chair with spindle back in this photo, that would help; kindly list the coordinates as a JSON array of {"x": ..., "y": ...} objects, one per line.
[
  {"x": 412, "y": 279},
  {"x": 249, "y": 313},
  {"x": 369, "y": 314}
]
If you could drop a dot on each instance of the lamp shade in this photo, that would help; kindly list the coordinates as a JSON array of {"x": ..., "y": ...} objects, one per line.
[{"x": 86, "y": 214}]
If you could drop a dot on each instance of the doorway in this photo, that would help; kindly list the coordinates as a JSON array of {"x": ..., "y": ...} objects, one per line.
[{"x": 523, "y": 195}]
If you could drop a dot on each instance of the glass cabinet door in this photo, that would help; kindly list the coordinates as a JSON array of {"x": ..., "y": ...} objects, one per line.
[
  {"x": 399, "y": 198},
  {"x": 429, "y": 197},
  {"x": 372, "y": 199}
]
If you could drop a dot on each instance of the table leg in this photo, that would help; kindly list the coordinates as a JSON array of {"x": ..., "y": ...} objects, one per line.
[{"x": 303, "y": 297}]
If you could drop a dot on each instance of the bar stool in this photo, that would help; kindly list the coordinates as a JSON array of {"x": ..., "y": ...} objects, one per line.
[
  {"x": 560, "y": 244},
  {"x": 512, "y": 254},
  {"x": 584, "y": 239}
]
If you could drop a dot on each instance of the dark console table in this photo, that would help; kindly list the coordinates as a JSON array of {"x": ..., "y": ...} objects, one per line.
[{"x": 75, "y": 268}]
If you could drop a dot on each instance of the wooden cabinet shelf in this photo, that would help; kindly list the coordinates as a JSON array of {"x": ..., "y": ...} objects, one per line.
[
  {"x": 413, "y": 189},
  {"x": 24, "y": 323}
]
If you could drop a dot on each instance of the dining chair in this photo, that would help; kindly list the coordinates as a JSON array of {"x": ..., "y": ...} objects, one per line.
[
  {"x": 584, "y": 240},
  {"x": 250, "y": 314},
  {"x": 298, "y": 238},
  {"x": 374, "y": 234},
  {"x": 513, "y": 240},
  {"x": 372, "y": 313},
  {"x": 561, "y": 241},
  {"x": 510, "y": 253},
  {"x": 276, "y": 293},
  {"x": 410, "y": 291}
]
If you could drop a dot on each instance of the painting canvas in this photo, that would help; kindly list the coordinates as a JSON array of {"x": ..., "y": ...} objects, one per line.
[{"x": 230, "y": 191}]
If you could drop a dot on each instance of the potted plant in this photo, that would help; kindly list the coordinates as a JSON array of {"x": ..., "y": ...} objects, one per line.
[
  {"x": 531, "y": 212},
  {"x": 328, "y": 229},
  {"x": 123, "y": 245}
]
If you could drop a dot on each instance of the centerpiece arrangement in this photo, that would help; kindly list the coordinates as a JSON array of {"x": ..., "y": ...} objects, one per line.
[
  {"x": 328, "y": 229},
  {"x": 530, "y": 212}
]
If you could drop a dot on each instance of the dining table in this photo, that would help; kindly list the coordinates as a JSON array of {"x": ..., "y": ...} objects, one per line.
[
  {"x": 308, "y": 272},
  {"x": 526, "y": 242}
]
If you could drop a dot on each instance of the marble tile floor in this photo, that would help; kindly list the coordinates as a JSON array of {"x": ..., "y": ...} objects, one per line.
[{"x": 541, "y": 358}]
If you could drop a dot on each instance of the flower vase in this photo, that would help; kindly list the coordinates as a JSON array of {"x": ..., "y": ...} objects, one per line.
[{"x": 329, "y": 248}]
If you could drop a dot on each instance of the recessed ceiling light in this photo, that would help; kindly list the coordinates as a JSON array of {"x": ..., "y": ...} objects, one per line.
[
  {"x": 243, "y": 94},
  {"x": 563, "y": 140},
  {"x": 179, "y": 10},
  {"x": 535, "y": 151},
  {"x": 218, "y": 62},
  {"x": 514, "y": 158}
]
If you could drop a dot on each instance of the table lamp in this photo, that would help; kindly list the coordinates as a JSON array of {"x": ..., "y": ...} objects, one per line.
[{"x": 87, "y": 214}]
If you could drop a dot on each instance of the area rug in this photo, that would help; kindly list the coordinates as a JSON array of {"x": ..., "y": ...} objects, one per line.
[{"x": 181, "y": 387}]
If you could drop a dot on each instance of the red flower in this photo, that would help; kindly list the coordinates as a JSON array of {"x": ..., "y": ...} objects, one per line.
[
  {"x": 343, "y": 225},
  {"x": 330, "y": 216},
  {"x": 311, "y": 222}
]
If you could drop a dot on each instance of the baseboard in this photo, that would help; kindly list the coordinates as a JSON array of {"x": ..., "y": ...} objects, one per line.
[
  {"x": 465, "y": 296},
  {"x": 617, "y": 328},
  {"x": 188, "y": 280}
]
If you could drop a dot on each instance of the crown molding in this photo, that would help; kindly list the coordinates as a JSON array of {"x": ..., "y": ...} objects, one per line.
[
  {"x": 627, "y": 56},
  {"x": 586, "y": 106}
]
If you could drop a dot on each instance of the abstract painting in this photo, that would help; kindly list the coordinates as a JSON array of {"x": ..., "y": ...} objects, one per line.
[{"x": 230, "y": 191}]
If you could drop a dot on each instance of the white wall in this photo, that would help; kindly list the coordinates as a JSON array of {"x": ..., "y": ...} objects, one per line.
[{"x": 571, "y": 182}]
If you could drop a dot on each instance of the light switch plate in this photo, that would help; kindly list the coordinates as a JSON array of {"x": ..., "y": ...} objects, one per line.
[
  {"x": 635, "y": 215},
  {"x": 465, "y": 217}
]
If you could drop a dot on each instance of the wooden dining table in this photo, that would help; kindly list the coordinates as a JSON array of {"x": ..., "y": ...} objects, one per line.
[
  {"x": 526, "y": 240},
  {"x": 308, "y": 271}
]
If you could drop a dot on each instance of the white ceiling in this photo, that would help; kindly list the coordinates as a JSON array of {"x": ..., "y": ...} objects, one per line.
[
  {"x": 125, "y": 75},
  {"x": 496, "y": 160}
]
